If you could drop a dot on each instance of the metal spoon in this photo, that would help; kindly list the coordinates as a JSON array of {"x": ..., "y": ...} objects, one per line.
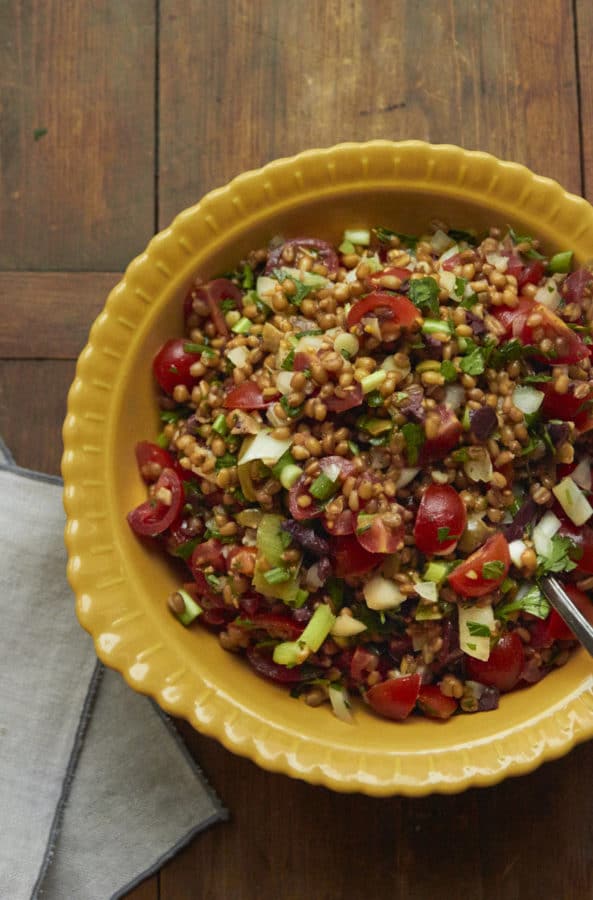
[{"x": 573, "y": 617}]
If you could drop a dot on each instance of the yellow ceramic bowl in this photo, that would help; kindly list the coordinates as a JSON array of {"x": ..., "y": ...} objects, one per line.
[{"x": 121, "y": 585}]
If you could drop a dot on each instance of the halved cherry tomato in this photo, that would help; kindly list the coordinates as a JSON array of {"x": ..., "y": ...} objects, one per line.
[
  {"x": 530, "y": 272},
  {"x": 151, "y": 460},
  {"x": 469, "y": 580},
  {"x": 567, "y": 407},
  {"x": 556, "y": 627},
  {"x": 353, "y": 396},
  {"x": 171, "y": 365},
  {"x": 577, "y": 285},
  {"x": 350, "y": 558},
  {"x": 567, "y": 345},
  {"x": 582, "y": 538},
  {"x": 213, "y": 293},
  {"x": 452, "y": 261},
  {"x": 396, "y": 697},
  {"x": 382, "y": 532},
  {"x": 208, "y": 553},
  {"x": 246, "y": 396},
  {"x": 440, "y": 520},
  {"x": 393, "y": 308},
  {"x": 363, "y": 662},
  {"x": 261, "y": 660},
  {"x": 503, "y": 667},
  {"x": 154, "y": 516},
  {"x": 448, "y": 437},
  {"x": 374, "y": 279},
  {"x": 434, "y": 703},
  {"x": 343, "y": 523}
]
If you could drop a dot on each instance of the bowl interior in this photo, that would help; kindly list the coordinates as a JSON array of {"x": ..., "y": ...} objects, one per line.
[{"x": 193, "y": 664}]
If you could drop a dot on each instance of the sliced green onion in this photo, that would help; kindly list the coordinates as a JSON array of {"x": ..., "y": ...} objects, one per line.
[
  {"x": 318, "y": 627},
  {"x": 277, "y": 575},
  {"x": 220, "y": 426},
  {"x": 373, "y": 381},
  {"x": 290, "y": 653},
  {"x": 436, "y": 572},
  {"x": 323, "y": 487},
  {"x": 346, "y": 247},
  {"x": 243, "y": 326},
  {"x": 436, "y": 326},
  {"x": 192, "y": 609},
  {"x": 290, "y": 475},
  {"x": 354, "y": 448},
  {"x": 301, "y": 597},
  {"x": 162, "y": 440},
  {"x": 198, "y": 348},
  {"x": 561, "y": 262}
]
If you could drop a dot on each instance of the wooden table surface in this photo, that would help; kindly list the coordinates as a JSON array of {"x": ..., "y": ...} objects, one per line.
[{"x": 115, "y": 115}]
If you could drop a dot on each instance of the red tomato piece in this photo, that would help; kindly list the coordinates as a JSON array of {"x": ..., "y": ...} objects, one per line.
[
  {"x": 577, "y": 285},
  {"x": 568, "y": 347},
  {"x": 503, "y": 667},
  {"x": 530, "y": 272},
  {"x": 151, "y": 458},
  {"x": 582, "y": 537},
  {"x": 261, "y": 660},
  {"x": 374, "y": 279},
  {"x": 246, "y": 396},
  {"x": 556, "y": 627},
  {"x": 363, "y": 662},
  {"x": 171, "y": 365},
  {"x": 583, "y": 603},
  {"x": 153, "y": 517},
  {"x": 343, "y": 523},
  {"x": 566, "y": 407},
  {"x": 396, "y": 697},
  {"x": 452, "y": 261},
  {"x": 301, "y": 362},
  {"x": 278, "y": 626},
  {"x": 434, "y": 703},
  {"x": 381, "y": 532},
  {"x": 213, "y": 294},
  {"x": 208, "y": 553},
  {"x": 353, "y": 396},
  {"x": 468, "y": 579},
  {"x": 393, "y": 308},
  {"x": 350, "y": 558},
  {"x": 440, "y": 520},
  {"x": 436, "y": 448}
]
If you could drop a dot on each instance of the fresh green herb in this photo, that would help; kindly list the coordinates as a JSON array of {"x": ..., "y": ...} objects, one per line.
[
  {"x": 493, "y": 569},
  {"x": 226, "y": 461},
  {"x": 277, "y": 575},
  {"x": 561, "y": 558},
  {"x": 424, "y": 293},
  {"x": 162, "y": 440},
  {"x": 185, "y": 550},
  {"x": 199, "y": 348},
  {"x": 301, "y": 290},
  {"x": 469, "y": 301},
  {"x": 385, "y": 234},
  {"x": 458, "y": 235},
  {"x": 291, "y": 411},
  {"x": 213, "y": 581},
  {"x": 471, "y": 646},
  {"x": 444, "y": 534},
  {"x": 478, "y": 629},
  {"x": 247, "y": 278},
  {"x": 473, "y": 363},
  {"x": 500, "y": 355},
  {"x": 39, "y": 133},
  {"x": 461, "y": 455},
  {"x": 532, "y": 253},
  {"x": 288, "y": 362},
  {"x": 243, "y": 326},
  {"x": 448, "y": 370},
  {"x": 335, "y": 589},
  {"x": 532, "y": 602},
  {"x": 173, "y": 370},
  {"x": 228, "y": 305},
  {"x": 538, "y": 378},
  {"x": 414, "y": 438},
  {"x": 173, "y": 415},
  {"x": 220, "y": 426},
  {"x": 374, "y": 399}
]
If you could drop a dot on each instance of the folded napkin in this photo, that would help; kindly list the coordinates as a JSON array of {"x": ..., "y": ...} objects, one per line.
[{"x": 97, "y": 790}]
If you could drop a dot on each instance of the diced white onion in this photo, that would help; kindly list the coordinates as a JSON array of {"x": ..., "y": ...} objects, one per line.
[
  {"x": 347, "y": 626},
  {"x": 454, "y": 396},
  {"x": 516, "y": 551},
  {"x": 347, "y": 343},
  {"x": 449, "y": 253},
  {"x": 340, "y": 701},
  {"x": 331, "y": 471},
  {"x": 573, "y": 501},
  {"x": 475, "y": 645},
  {"x": 309, "y": 342},
  {"x": 544, "y": 531},
  {"x": 263, "y": 446},
  {"x": 265, "y": 288},
  {"x": 238, "y": 356},
  {"x": 283, "y": 380},
  {"x": 499, "y": 262},
  {"x": 527, "y": 399},
  {"x": 350, "y": 276},
  {"x": 380, "y": 593},
  {"x": 548, "y": 295},
  {"x": 427, "y": 590},
  {"x": 479, "y": 467},
  {"x": 405, "y": 477},
  {"x": 582, "y": 474},
  {"x": 447, "y": 281},
  {"x": 441, "y": 241}
]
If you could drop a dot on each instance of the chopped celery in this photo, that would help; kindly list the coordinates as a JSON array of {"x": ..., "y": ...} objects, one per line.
[
  {"x": 291, "y": 653},
  {"x": 561, "y": 262},
  {"x": 436, "y": 326},
  {"x": 192, "y": 609},
  {"x": 373, "y": 381},
  {"x": 243, "y": 326},
  {"x": 436, "y": 571},
  {"x": 220, "y": 426}
]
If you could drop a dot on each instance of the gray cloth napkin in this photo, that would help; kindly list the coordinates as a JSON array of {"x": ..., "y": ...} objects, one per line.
[{"x": 96, "y": 789}]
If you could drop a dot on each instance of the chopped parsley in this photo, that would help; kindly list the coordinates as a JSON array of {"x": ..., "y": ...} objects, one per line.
[
  {"x": 424, "y": 293},
  {"x": 444, "y": 534},
  {"x": 291, "y": 411},
  {"x": 473, "y": 363},
  {"x": 385, "y": 234},
  {"x": 173, "y": 415},
  {"x": 538, "y": 378},
  {"x": 448, "y": 370},
  {"x": 247, "y": 278},
  {"x": 38, "y": 133},
  {"x": 414, "y": 438},
  {"x": 302, "y": 290},
  {"x": 561, "y": 558},
  {"x": 185, "y": 550},
  {"x": 458, "y": 235},
  {"x": 226, "y": 461},
  {"x": 493, "y": 569},
  {"x": 532, "y": 602},
  {"x": 228, "y": 305},
  {"x": 478, "y": 629},
  {"x": 532, "y": 253},
  {"x": 288, "y": 363},
  {"x": 459, "y": 289},
  {"x": 468, "y": 302}
]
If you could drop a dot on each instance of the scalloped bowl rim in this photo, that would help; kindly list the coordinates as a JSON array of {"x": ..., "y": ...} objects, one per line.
[{"x": 126, "y": 638}]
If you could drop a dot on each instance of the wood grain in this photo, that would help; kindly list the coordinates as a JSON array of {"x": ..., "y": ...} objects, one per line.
[
  {"x": 284, "y": 77},
  {"x": 79, "y": 196},
  {"x": 584, "y": 42},
  {"x": 32, "y": 306}
]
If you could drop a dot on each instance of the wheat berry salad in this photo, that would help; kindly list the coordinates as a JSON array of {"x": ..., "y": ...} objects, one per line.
[{"x": 370, "y": 455}]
